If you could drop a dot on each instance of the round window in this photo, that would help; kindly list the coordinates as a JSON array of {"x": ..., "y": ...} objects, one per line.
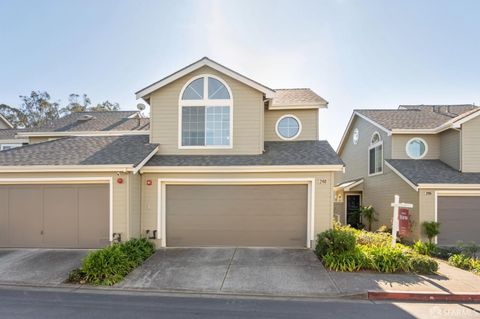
[
  {"x": 416, "y": 148},
  {"x": 288, "y": 127}
]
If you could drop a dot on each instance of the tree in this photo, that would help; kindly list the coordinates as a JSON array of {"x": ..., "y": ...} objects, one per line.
[
  {"x": 76, "y": 104},
  {"x": 105, "y": 106},
  {"x": 38, "y": 109},
  {"x": 13, "y": 115},
  {"x": 431, "y": 229},
  {"x": 368, "y": 213}
]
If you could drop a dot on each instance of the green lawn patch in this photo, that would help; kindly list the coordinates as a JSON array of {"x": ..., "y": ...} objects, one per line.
[
  {"x": 343, "y": 248},
  {"x": 111, "y": 264}
]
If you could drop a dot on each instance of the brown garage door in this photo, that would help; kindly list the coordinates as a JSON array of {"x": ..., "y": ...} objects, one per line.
[
  {"x": 54, "y": 216},
  {"x": 460, "y": 219},
  {"x": 236, "y": 215}
]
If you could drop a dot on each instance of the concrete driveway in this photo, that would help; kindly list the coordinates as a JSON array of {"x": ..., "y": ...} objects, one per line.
[
  {"x": 38, "y": 266},
  {"x": 261, "y": 271}
]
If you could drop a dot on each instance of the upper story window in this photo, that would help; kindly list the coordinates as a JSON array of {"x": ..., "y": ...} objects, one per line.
[
  {"x": 417, "y": 148},
  {"x": 206, "y": 113},
  {"x": 288, "y": 127},
  {"x": 356, "y": 136},
  {"x": 375, "y": 155}
]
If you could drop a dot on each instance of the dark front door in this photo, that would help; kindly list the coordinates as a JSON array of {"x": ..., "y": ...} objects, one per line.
[{"x": 353, "y": 205}]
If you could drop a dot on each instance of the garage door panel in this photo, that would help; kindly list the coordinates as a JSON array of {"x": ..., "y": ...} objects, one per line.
[
  {"x": 26, "y": 223},
  {"x": 93, "y": 216},
  {"x": 459, "y": 217},
  {"x": 60, "y": 216},
  {"x": 236, "y": 215}
]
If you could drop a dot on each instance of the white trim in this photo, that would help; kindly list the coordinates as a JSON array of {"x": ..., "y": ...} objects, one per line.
[
  {"x": 206, "y": 103},
  {"x": 458, "y": 123},
  {"x": 415, "y": 187},
  {"x": 145, "y": 160},
  {"x": 12, "y": 145},
  {"x": 449, "y": 186},
  {"x": 421, "y": 140},
  {"x": 69, "y": 180},
  {"x": 66, "y": 168},
  {"x": 349, "y": 187},
  {"x": 346, "y": 203},
  {"x": 450, "y": 193},
  {"x": 81, "y": 133},
  {"x": 161, "y": 192},
  {"x": 143, "y": 93},
  {"x": 14, "y": 141},
  {"x": 243, "y": 169},
  {"x": 373, "y": 146},
  {"x": 299, "y": 127},
  {"x": 6, "y": 121},
  {"x": 275, "y": 107}
]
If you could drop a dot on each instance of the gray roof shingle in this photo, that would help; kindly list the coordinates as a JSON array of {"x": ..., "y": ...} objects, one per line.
[
  {"x": 81, "y": 150},
  {"x": 99, "y": 121},
  {"x": 276, "y": 153},
  {"x": 8, "y": 134},
  {"x": 301, "y": 96},
  {"x": 432, "y": 172},
  {"x": 417, "y": 116}
]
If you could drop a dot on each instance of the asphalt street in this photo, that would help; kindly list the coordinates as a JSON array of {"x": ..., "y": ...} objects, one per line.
[{"x": 47, "y": 303}]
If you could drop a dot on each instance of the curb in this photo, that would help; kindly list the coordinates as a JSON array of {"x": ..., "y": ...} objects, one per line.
[{"x": 423, "y": 296}]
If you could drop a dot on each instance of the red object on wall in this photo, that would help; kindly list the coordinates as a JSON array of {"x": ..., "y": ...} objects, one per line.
[
  {"x": 120, "y": 180},
  {"x": 403, "y": 221},
  {"x": 149, "y": 182}
]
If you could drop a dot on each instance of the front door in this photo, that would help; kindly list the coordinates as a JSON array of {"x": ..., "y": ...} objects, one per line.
[{"x": 353, "y": 205}]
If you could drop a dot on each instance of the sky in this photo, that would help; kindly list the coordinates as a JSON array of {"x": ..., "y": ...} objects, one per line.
[{"x": 353, "y": 53}]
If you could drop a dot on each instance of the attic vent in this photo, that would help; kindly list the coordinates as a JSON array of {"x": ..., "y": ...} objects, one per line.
[{"x": 85, "y": 117}]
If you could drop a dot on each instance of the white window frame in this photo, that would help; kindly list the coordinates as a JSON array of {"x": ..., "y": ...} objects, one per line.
[
  {"x": 206, "y": 102},
  {"x": 379, "y": 143},
  {"x": 12, "y": 145},
  {"x": 416, "y": 139},
  {"x": 299, "y": 127}
]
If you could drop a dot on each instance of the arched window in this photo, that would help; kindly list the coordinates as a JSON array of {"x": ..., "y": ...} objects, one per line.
[
  {"x": 375, "y": 155},
  {"x": 206, "y": 113}
]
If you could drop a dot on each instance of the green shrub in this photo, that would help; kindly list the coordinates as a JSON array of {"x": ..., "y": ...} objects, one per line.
[
  {"x": 431, "y": 229},
  {"x": 446, "y": 252},
  {"x": 428, "y": 249},
  {"x": 460, "y": 261},
  {"x": 373, "y": 239},
  {"x": 384, "y": 229},
  {"x": 422, "y": 264},
  {"x": 336, "y": 240},
  {"x": 138, "y": 250},
  {"x": 470, "y": 249},
  {"x": 387, "y": 259},
  {"x": 76, "y": 276},
  {"x": 368, "y": 214},
  {"x": 345, "y": 261}
]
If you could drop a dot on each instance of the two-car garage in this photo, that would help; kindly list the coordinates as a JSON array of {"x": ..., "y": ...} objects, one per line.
[{"x": 54, "y": 215}]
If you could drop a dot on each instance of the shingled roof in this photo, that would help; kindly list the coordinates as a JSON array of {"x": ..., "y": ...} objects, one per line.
[
  {"x": 96, "y": 121},
  {"x": 81, "y": 150},
  {"x": 417, "y": 116},
  {"x": 432, "y": 172},
  {"x": 276, "y": 153},
  {"x": 293, "y": 97}
]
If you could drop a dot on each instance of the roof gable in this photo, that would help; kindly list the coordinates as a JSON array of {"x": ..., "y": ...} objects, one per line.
[
  {"x": 145, "y": 92},
  {"x": 4, "y": 120}
]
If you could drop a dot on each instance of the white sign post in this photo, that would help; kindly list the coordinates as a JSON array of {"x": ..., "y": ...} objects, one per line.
[{"x": 395, "y": 225}]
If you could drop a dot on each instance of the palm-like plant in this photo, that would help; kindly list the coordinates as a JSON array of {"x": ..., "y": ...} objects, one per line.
[
  {"x": 368, "y": 214},
  {"x": 431, "y": 229}
]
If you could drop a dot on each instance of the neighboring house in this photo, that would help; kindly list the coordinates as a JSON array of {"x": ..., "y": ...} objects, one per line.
[
  {"x": 427, "y": 154},
  {"x": 226, "y": 161},
  {"x": 7, "y": 135}
]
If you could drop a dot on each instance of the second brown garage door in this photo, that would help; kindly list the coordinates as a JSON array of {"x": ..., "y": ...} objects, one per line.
[
  {"x": 54, "y": 216},
  {"x": 236, "y": 215},
  {"x": 459, "y": 218}
]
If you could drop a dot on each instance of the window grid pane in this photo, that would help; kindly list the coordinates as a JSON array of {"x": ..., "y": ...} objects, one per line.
[
  {"x": 288, "y": 127},
  {"x": 193, "y": 125},
  {"x": 216, "y": 90},
  {"x": 194, "y": 90},
  {"x": 218, "y": 125}
]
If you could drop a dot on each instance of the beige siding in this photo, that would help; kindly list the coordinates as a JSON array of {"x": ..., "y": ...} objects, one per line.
[
  {"x": 450, "y": 148},
  {"x": 471, "y": 146},
  {"x": 134, "y": 199},
  {"x": 399, "y": 143},
  {"x": 3, "y": 125},
  {"x": 354, "y": 156},
  {"x": 379, "y": 192},
  {"x": 247, "y": 117},
  {"x": 120, "y": 195},
  {"x": 323, "y": 197},
  {"x": 35, "y": 140},
  {"x": 308, "y": 119}
]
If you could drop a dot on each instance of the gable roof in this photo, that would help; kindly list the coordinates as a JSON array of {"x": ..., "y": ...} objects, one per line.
[
  {"x": 3, "y": 119},
  {"x": 128, "y": 151},
  {"x": 205, "y": 61},
  {"x": 276, "y": 153},
  {"x": 108, "y": 121},
  {"x": 421, "y": 173},
  {"x": 414, "y": 119},
  {"x": 301, "y": 97}
]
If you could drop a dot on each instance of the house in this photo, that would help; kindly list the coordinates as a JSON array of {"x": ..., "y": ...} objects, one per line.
[
  {"x": 429, "y": 155},
  {"x": 223, "y": 161},
  {"x": 7, "y": 135}
]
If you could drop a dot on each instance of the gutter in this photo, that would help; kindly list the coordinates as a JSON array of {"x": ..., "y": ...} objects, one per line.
[{"x": 242, "y": 169}]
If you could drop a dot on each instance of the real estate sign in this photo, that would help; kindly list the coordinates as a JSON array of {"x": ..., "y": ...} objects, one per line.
[{"x": 403, "y": 222}]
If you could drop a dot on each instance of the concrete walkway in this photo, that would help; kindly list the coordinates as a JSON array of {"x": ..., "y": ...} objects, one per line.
[
  {"x": 256, "y": 271},
  {"x": 38, "y": 266}
]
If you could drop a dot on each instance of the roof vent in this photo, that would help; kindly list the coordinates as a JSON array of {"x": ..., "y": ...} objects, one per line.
[{"x": 85, "y": 117}]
